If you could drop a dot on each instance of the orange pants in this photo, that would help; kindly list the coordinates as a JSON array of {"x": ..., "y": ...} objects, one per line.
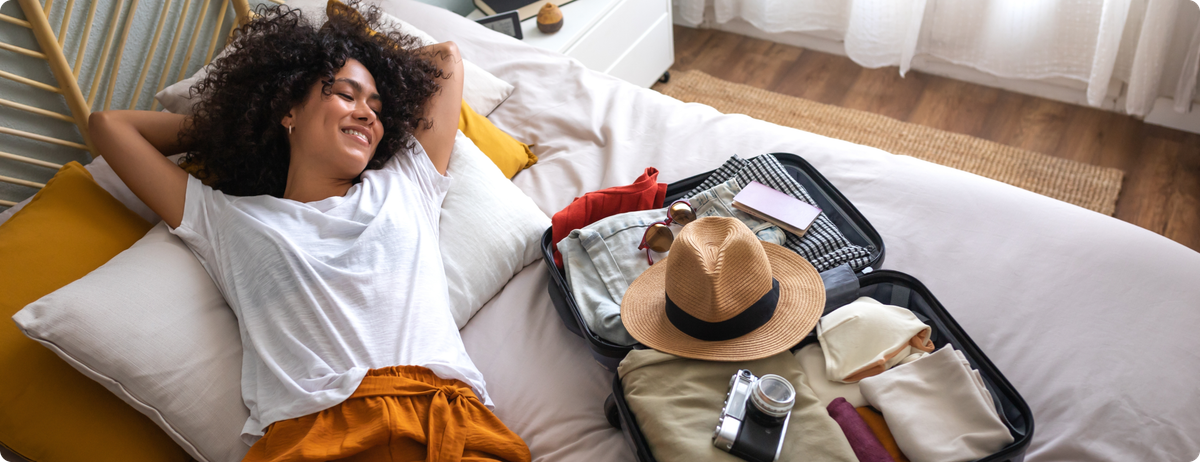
[{"x": 402, "y": 413}]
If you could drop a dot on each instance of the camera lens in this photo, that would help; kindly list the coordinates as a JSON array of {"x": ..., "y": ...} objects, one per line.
[{"x": 773, "y": 396}]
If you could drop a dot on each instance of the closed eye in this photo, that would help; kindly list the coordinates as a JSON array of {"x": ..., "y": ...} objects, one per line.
[{"x": 351, "y": 98}]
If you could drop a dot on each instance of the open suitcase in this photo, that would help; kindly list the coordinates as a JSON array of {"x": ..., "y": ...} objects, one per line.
[{"x": 889, "y": 287}]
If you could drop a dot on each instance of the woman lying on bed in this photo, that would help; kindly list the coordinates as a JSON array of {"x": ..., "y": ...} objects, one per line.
[{"x": 326, "y": 150}]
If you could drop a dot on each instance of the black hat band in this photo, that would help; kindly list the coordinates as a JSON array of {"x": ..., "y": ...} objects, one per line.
[{"x": 745, "y": 322}]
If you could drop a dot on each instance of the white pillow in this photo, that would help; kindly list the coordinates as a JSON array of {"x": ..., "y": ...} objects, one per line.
[
  {"x": 490, "y": 230},
  {"x": 151, "y": 326},
  {"x": 481, "y": 90}
]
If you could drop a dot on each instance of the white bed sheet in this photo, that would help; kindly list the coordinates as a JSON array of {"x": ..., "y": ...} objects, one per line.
[{"x": 1093, "y": 320}]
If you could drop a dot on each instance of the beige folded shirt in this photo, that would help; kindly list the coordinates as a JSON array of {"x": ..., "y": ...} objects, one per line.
[
  {"x": 866, "y": 337},
  {"x": 677, "y": 401},
  {"x": 938, "y": 409}
]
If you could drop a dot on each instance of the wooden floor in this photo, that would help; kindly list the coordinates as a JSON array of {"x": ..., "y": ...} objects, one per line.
[{"x": 1161, "y": 190}]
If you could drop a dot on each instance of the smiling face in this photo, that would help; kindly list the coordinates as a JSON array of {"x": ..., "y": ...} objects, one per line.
[{"x": 337, "y": 133}]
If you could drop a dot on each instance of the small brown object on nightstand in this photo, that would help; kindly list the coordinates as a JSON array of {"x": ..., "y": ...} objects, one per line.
[{"x": 549, "y": 18}]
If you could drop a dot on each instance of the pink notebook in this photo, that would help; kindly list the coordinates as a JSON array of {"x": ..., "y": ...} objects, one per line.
[{"x": 767, "y": 203}]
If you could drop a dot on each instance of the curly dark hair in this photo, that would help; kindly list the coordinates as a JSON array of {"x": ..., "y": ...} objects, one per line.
[{"x": 236, "y": 141}]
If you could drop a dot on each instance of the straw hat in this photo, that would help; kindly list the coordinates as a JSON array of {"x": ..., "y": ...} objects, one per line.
[{"x": 723, "y": 295}]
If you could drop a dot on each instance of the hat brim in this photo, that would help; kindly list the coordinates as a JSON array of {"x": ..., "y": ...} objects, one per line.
[{"x": 801, "y": 302}]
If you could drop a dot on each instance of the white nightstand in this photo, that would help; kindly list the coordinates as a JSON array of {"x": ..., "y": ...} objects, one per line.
[{"x": 628, "y": 39}]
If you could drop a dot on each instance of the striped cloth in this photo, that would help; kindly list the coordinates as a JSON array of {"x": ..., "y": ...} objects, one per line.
[{"x": 823, "y": 245}]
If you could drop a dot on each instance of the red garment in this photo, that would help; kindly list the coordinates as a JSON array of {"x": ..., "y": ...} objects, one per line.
[{"x": 646, "y": 193}]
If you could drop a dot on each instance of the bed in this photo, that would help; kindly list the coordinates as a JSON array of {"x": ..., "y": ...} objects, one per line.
[{"x": 1092, "y": 319}]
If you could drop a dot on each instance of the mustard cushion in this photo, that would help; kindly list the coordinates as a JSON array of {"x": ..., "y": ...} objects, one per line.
[
  {"x": 510, "y": 155},
  {"x": 50, "y": 411}
]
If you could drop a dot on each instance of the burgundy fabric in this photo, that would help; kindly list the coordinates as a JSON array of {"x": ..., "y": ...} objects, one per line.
[
  {"x": 866, "y": 446},
  {"x": 645, "y": 193}
]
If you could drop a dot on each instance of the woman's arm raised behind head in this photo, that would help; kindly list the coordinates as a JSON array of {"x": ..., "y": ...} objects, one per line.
[
  {"x": 135, "y": 144},
  {"x": 443, "y": 107}
]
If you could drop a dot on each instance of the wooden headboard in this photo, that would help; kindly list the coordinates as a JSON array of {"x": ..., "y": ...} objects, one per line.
[{"x": 105, "y": 61}]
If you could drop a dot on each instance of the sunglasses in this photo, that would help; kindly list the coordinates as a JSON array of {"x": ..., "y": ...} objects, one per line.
[{"x": 658, "y": 236}]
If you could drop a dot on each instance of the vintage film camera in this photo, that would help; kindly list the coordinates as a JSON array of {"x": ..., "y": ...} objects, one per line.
[{"x": 755, "y": 417}]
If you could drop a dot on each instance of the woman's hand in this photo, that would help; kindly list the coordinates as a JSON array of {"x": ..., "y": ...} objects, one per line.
[
  {"x": 444, "y": 106},
  {"x": 135, "y": 144}
]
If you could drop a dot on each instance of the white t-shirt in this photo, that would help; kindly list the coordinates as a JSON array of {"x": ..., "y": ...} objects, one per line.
[{"x": 326, "y": 290}]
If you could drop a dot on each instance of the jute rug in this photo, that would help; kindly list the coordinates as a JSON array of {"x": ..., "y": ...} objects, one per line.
[{"x": 1088, "y": 186}]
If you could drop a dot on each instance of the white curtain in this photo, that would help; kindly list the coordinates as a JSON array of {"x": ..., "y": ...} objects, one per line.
[
  {"x": 1185, "y": 89},
  {"x": 1095, "y": 42}
]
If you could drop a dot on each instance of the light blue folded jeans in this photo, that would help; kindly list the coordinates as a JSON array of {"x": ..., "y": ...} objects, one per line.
[{"x": 602, "y": 259}]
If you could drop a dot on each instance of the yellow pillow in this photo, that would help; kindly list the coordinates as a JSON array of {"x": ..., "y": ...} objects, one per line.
[
  {"x": 49, "y": 411},
  {"x": 510, "y": 155}
]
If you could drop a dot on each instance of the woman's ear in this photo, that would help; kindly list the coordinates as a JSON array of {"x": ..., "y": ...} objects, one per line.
[{"x": 288, "y": 121}]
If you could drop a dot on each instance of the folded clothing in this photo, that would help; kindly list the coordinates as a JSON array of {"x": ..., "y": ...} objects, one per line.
[
  {"x": 866, "y": 446},
  {"x": 812, "y": 361},
  {"x": 823, "y": 245},
  {"x": 865, "y": 338},
  {"x": 938, "y": 408},
  {"x": 643, "y": 194},
  {"x": 676, "y": 402},
  {"x": 601, "y": 259},
  {"x": 879, "y": 427}
]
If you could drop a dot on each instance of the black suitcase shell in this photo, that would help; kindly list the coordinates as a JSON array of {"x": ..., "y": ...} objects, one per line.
[
  {"x": 843, "y": 214},
  {"x": 893, "y": 288}
]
